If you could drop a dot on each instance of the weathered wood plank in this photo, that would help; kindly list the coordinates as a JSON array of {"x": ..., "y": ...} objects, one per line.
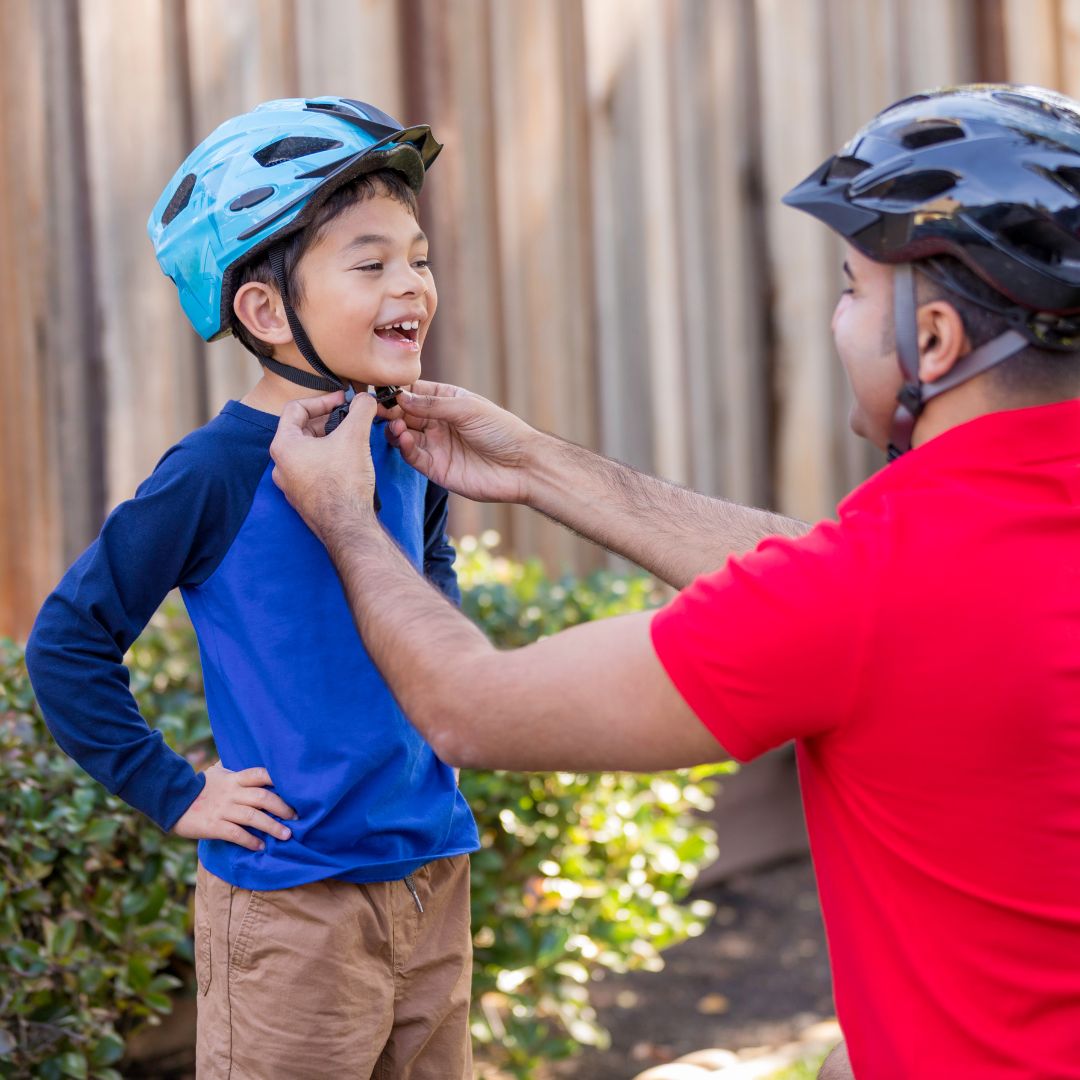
[
  {"x": 29, "y": 533},
  {"x": 240, "y": 54},
  {"x": 1032, "y": 42},
  {"x": 805, "y": 275},
  {"x": 72, "y": 363},
  {"x": 544, "y": 282},
  {"x": 135, "y": 101},
  {"x": 449, "y": 50},
  {"x": 735, "y": 317},
  {"x": 351, "y": 48},
  {"x": 1069, "y": 81}
]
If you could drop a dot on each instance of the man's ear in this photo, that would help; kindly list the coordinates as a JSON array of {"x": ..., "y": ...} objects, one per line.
[
  {"x": 258, "y": 306},
  {"x": 942, "y": 339}
]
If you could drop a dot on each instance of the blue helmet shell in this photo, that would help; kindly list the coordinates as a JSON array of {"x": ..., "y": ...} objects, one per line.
[{"x": 261, "y": 176}]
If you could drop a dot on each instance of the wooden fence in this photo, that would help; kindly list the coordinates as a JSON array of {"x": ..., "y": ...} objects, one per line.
[{"x": 612, "y": 259}]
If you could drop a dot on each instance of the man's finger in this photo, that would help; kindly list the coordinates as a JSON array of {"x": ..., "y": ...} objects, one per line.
[
  {"x": 361, "y": 414},
  {"x": 434, "y": 405},
  {"x": 303, "y": 411}
]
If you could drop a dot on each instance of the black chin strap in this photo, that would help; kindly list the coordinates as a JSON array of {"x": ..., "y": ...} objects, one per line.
[
  {"x": 914, "y": 394},
  {"x": 326, "y": 380}
]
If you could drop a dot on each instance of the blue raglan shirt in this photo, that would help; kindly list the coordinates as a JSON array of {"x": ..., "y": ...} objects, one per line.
[{"x": 289, "y": 685}]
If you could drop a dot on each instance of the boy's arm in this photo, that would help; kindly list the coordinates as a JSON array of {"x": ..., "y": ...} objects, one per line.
[
  {"x": 76, "y": 649},
  {"x": 174, "y": 532}
]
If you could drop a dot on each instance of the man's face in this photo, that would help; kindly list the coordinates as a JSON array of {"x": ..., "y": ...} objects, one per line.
[
  {"x": 862, "y": 327},
  {"x": 367, "y": 271}
]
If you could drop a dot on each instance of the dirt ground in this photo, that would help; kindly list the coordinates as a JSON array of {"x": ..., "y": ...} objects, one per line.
[{"x": 756, "y": 977}]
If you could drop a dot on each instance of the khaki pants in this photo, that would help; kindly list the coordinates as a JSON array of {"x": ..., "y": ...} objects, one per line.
[{"x": 335, "y": 980}]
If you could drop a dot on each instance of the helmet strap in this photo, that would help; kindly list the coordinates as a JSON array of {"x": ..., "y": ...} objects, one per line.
[
  {"x": 914, "y": 394},
  {"x": 328, "y": 380}
]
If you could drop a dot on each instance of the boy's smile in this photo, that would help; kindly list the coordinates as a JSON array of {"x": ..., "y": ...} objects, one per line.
[{"x": 368, "y": 296}]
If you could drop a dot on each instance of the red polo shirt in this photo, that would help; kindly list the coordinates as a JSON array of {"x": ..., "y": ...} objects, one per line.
[{"x": 924, "y": 652}]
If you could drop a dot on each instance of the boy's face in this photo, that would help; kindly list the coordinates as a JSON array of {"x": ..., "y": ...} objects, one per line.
[
  {"x": 367, "y": 271},
  {"x": 862, "y": 327}
]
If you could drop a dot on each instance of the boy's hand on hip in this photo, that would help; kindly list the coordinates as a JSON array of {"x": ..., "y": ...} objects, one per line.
[
  {"x": 463, "y": 442},
  {"x": 228, "y": 802}
]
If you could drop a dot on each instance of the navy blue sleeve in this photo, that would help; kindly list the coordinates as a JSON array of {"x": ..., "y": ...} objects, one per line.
[
  {"x": 438, "y": 551},
  {"x": 165, "y": 536}
]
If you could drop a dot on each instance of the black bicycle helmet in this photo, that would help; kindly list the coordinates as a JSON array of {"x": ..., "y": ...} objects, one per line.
[{"x": 986, "y": 173}]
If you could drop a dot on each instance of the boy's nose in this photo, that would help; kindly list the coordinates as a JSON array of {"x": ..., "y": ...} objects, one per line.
[{"x": 410, "y": 282}]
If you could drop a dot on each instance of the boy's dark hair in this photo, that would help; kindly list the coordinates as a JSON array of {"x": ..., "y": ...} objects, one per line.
[
  {"x": 1048, "y": 371},
  {"x": 386, "y": 182}
]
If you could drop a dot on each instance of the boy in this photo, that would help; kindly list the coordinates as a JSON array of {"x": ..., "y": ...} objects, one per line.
[{"x": 337, "y": 944}]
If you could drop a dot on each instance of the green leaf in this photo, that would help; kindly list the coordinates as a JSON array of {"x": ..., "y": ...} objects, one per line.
[
  {"x": 102, "y": 832},
  {"x": 74, "y": 1064},
  {"x": 161, "y": 1003},
  {"x": 64, "y": 938},
  {"x": 107, "y": 1051},
  {"x": 139, "y": 973}
]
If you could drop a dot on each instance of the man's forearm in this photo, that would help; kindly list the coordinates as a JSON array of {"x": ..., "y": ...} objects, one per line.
[
  {"x": 592, "y": 697},
  {"x": 421, "y": 643},
  {"x": 674, "y": 533}
]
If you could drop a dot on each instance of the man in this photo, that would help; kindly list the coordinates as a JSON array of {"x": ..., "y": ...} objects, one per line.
[{"x": 923, "y": 651}]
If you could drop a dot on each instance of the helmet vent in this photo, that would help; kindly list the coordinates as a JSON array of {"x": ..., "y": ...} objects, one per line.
[
  {"x": 181, "y": 197},
  {"x": 912, "y": 189},
  {"x": 251, "y": 198},
  {"x": 1043, "y": 242},
  {"x": 293, "y": 146},
  {"x": 1068, "y": 178},
  {"x": 929, "y": 132},
  {"x": 844, "y": 168}
]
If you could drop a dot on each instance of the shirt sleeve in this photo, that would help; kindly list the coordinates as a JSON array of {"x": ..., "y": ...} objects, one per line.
[
  {"x": 769, "y": 648},
  {"x": 439, "y": 553},
  {"x": 148, "y": 545}
]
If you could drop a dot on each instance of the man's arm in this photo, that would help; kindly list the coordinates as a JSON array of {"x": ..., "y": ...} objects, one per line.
[
  {"x": 674, "y": 533},
  {"x": 471, "y": 446},
  {"x": 592, "y": 697}
]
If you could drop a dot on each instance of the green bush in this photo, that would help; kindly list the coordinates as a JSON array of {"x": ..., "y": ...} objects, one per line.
[
  {"x": 578, "y": 874},
  {"x": 94, "y": 899}
]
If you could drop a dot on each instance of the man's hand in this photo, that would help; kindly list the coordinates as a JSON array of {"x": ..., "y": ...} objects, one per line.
[
  {"x": 464, "y": 442},
  {"x": 231, "y": 800},
  {"x": 325, "y": 476}
]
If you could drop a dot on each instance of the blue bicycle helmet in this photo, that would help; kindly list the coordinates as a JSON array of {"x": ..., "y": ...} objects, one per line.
[{"x": 260, "y": 177}]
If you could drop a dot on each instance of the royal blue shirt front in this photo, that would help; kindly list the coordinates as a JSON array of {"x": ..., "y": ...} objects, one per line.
[{"x": 289, "y": 685}]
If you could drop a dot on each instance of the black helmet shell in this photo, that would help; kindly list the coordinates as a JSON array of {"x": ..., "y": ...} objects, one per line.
[{"x": 987, "y": 173}]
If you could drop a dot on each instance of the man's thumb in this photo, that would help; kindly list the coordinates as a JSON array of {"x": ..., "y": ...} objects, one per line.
[
  {"x": 360, "y": 415},
  {"x": 430, "y": 404}
]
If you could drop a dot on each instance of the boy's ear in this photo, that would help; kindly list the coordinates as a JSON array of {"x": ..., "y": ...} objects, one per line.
[{"x": 258, "y": 306}]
